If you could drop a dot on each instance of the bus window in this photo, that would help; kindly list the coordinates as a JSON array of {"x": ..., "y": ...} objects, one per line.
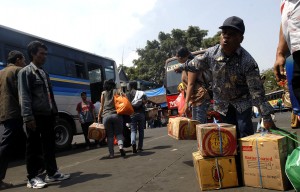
[
  {"x": 80, "y": 70},
  {"x": 95, "y": 76},
  {"x": 173, "y": 79},
  {"x": 74, "y": 69},
  {"x": 55, "y": 65},
  {"x": 2, "y": 60},
  {"x": 109, "y": 72}
]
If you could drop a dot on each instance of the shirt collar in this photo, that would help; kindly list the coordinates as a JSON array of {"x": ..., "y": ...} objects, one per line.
[
  {"x": 35, "y": 67},
  {"x": 221, "y": 56}
]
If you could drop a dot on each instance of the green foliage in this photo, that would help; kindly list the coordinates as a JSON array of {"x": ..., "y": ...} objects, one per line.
[
  {"x": 270, "y": 83},
  {"x": 150, "y": 64}
]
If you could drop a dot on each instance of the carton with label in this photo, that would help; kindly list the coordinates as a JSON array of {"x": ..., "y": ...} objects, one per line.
[
  {"x": 216, "y": 139},
  {"x": 182, "y": 128},
  {"x": 96, "y": 131},
  {"x": 263, "y": 161},
  {"x": 216, "y": 172}
]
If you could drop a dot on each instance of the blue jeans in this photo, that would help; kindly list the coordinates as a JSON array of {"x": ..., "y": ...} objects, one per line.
[
  {"x": 113, "y": 125},
  {"x": 242, "y": 121},
  {"x": 199, "y": 112},
  {"x": 138, "y": 123}
]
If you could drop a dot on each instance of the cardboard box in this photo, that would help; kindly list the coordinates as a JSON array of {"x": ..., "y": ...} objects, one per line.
[
  {"x": 182, "y": 128},
  {"x": 96, "y": 131},
  {"x": 263, "y": 161},
  {"x": 215, "y": 172},
  {"x": 216, "y": 139}
]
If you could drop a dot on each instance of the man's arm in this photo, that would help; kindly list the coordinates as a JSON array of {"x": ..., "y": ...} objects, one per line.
[
  {"x": 190, "y": 87},
  {"x": 25, "y": 99},
  {"x": 282, "y": 50},
  {"x": 101, "y": 108}
]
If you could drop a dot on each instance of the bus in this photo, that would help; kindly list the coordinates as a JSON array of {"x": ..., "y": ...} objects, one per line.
[
  {"x": 273, "y": 97},
  {"x": 171, "y": 82},
  {"x": 71, "y": 71}
]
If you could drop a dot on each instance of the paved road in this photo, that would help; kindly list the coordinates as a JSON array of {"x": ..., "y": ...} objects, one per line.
[{"x": 164, "y": 165}]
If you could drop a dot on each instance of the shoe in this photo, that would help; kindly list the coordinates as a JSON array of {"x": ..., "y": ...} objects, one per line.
[
  {"x": 123, "y": 154},
  {"x": 98, "y": 146},
  {"x": 57, "y": 177},
  {"x": 140, "y": 149},
  {"x": 4, "y": 185},
  {"x": 36, "y": 183},
  {"x": 134, "y": 148}
]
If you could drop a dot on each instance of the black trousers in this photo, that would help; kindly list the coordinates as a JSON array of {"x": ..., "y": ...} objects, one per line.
[
  {"x": 12, "y": 128},
  {"x": 41, "y": 144},
  {"x": 296, "y": 75}
]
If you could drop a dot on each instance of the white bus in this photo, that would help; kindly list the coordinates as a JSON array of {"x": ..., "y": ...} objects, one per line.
[{"x": 71, "y": 71}]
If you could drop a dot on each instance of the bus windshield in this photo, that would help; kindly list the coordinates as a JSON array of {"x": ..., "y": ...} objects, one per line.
[{"x": 172, "y": 78}]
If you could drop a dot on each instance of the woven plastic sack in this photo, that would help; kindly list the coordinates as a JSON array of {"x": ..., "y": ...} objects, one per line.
[{"x": 292, "y": 168}]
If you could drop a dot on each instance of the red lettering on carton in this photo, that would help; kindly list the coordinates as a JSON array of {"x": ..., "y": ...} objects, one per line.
[{"x": 246, "y": 148}]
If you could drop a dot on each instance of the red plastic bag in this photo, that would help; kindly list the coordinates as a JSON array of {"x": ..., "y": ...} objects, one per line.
[{"x": 180, "y": 102}]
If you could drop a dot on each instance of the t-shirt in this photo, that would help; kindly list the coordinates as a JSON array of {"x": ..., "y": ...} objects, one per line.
[{"x": 85, "y": 111}]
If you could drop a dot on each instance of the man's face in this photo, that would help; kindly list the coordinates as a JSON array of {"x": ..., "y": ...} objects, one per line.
[
  {"x": 83, "y": 97},
  {"x": 230, "y": 40},
  {"x": 40, "y": 57},
  {"x": 181, "y": 59}
]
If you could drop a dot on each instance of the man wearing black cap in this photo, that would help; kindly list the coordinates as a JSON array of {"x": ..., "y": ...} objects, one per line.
[
  {"x": 236, "y": 82},
  {"x": 236, "y": 79}
]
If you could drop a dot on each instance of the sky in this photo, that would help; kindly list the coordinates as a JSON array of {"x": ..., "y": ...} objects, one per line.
[{"x": 116, "y": 28}]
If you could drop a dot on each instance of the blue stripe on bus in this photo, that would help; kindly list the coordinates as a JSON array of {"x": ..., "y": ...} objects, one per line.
[
  {"x": 69, "y": 85},
  {"x": 69, "y": 79}
]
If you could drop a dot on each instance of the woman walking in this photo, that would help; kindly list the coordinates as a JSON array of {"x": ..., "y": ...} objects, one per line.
[{"x": 113, "y": 122}]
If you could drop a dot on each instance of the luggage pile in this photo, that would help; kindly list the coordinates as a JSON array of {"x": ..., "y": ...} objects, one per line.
[
  {"x": 261, "y": 162},
  {"x": 214, "y": 162}
]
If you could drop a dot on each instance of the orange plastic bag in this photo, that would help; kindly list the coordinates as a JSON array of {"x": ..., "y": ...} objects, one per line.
[
  {"x": 180, "y": 102},
  {"x": 123, "y": 105}
]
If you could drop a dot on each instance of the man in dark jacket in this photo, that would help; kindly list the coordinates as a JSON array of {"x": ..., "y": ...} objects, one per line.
[
  {"x": 138, "y": 100},
  {"x": 10, "y": 113},
  {"x": 39, "y": 110}
]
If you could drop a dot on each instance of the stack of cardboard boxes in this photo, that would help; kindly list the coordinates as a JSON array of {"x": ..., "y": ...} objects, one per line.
[
  {"x": 263, "y": 156},
  {"x": 214, "y": 163}
]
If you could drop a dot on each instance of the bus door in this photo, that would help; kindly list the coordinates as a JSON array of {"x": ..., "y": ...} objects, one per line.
[{"x": 96, "y": 81}]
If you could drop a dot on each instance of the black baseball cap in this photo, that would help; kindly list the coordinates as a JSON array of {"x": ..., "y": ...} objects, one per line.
[{"x": 234, "y": 22}]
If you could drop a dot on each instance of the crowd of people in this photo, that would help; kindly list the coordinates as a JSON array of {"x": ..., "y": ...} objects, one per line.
[{"x": 225, "y": 73}]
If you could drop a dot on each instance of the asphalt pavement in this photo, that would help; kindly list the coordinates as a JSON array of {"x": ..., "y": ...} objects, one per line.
[{"x": 164, "y": 165}]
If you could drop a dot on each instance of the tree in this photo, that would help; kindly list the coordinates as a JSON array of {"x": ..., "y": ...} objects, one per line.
[
  {"x": 270, "y": 83},
  {"x": 150, "y": 64}
]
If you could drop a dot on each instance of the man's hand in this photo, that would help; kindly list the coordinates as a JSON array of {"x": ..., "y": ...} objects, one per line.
[
  {"x": 279, "y": 70},
  {"x": 268, "y": 123},
  {"x": 186, "y": 108},
  {"x": 179, "y": 68},
  {"x": 31, "y": 125}
]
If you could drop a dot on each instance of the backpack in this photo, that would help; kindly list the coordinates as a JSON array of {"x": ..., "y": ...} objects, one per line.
[{"x": 138, "y": 99}]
